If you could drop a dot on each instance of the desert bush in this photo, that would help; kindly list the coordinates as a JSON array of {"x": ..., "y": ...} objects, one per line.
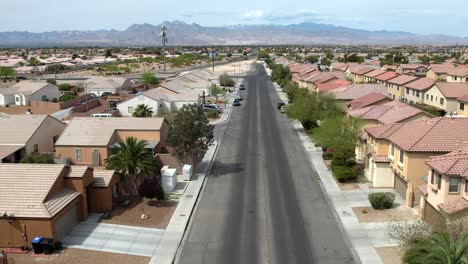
[
  {"x": 381, "y": 200},
  {"x": 343, "y": 174}
]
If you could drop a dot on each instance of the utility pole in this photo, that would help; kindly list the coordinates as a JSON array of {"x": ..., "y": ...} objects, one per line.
[
  {"x": 164, "y": 41},
  {"x": 213, "y": 55}
]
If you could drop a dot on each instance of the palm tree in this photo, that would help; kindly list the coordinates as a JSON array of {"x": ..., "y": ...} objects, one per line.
[
  {"x": 439, "y": 248},
  {"x": 143, "y": 110},
  {"x": 133, "y": 162}
]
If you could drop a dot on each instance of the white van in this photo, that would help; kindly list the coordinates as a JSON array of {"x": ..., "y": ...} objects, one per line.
[{"x": 102, "y": 115}]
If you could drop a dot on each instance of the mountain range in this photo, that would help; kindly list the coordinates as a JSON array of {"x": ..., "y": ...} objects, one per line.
[{"x": 184, "y": 34}]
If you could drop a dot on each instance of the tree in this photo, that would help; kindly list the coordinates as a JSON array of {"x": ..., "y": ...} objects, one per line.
[
  {"x": 108, "y": 53},
  {"x": 262, "y": 54},
  {"x": 133, "y": 162},
  {"x": 325, "y": 61},
  {"x": 55, "y": 68},
  {"x": 439, "y": 248},
  {"x": 311, "y": 59},
  {"x": 190, "y": 133},
  {"x": 225, "y": 80},
  {"x": 33, "y": 61},
  {"x": 151, "y": 188},
  {"x": 143, "y": 110},
  {"x": 148, "y": 78},
  {"x": 310, "y": 108},
  {"x": 64, "y": 87},
  {"x": 338, "y": 133},
  {"x": 353, "y": 58},
  {"x": 67, "y": 97},
  {"x": 329, "y": 54},
  {"x": 7, "y": 72},
  {"x": 280, "y": 74},
  {"x": 215, "y": 90},
  {"x": 39, "y": 159}
]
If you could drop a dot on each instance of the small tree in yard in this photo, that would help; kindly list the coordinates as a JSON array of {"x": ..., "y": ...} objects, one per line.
[
  {"x": 40, "y": 159},
  {"x": 380, "y": 201},
  {"x": 148, "y": 78},
  {"x": 225, "y": 80},
  {"x": 190, "y": 133},
  {"x": 143, "y": 110},
  {"x": 7, "y": 72}
]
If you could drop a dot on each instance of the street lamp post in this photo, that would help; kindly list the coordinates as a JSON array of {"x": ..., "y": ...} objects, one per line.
[
  {"x": 164, "y": 41},
  {"x": 214, "y": 54}
]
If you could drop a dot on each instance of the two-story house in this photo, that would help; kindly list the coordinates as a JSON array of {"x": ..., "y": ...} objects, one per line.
[
  {"x": 415, "y": 90},
  {"x": 444, "y": 96},
  {"x": 22, "y": 135},
  {"x": 90, "y": 140},
  {"x": 384, "y": 77},
  {"x": 463, "y": 106},
  {"x": 418, "y": 70},
  {"x": 438, "y": 72},
  {"x": 446, "y": 195},
  {"x": 396, "y": 86},
  {"x": 370, "y": 76},
  {"x": 358, "y": 73},
  {"x": 459, "y": 74}
]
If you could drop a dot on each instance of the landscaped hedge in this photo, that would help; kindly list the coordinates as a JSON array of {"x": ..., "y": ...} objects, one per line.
[
  {"x": 327, "y": 155},
  {"x": 382, "y": 200},
  {"x": 344, "y": 174}
]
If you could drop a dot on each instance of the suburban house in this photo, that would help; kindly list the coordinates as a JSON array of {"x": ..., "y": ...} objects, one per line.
[
  {"x": 413, "y": 143},
  {"x": 22, "y": 135},
  {"x": 396, "y": 86},
  {"x": 459, "y": 74},
  {"x": 370, "y": 76},
  {"x": 414, "y": 91},
  {"x": 27, "y": 70},
  {"x": 358, "y": 73},
  {"x": 24, "y": 92},
  {"x": 298, "y": 70},
  {"x": 355, "y": 91},
  {"x": 333, "y": 85},
  {"x": 159, "y": 101},
  {"x": 463, "y": 106},
  {"x": 438, "y": 72},
  {"x": 321, "y": 77},
  {"x": 384, "y": 77},
  {"x": 444, "y": 96},
  {"x": 91, "y": 140},
  {"x": 101, "y": 85},
  {"x": 368, "y": 100},
  {"x": 48, "y": 200},
  {"x": 446, "y": 196},
  {"x": 338, "y": 66},
  {"x": 419, "y": 70}
]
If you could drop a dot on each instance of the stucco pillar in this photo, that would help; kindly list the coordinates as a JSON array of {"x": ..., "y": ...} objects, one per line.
[{"x": 409, "y": 195}]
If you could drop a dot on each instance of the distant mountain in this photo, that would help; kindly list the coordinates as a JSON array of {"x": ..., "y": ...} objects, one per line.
[{"x": 183, "y": 34}]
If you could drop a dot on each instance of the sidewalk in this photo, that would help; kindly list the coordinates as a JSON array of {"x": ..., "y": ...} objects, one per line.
[{"x": 172, "y": 238}]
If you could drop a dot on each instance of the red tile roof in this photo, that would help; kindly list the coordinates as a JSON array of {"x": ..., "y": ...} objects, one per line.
[
  {"x": 357, "y": 90},
  {"x": 380, "y": 158},
  {"x": 361, "y": 70},
  {"x": 386, "y": 76},
  {"x": 442, "y": 68},
  {"x": 454, "y": 206},
  {"x": 339, "y": 66},
  {"x": 455, "y": 163},
  {"x": 383, "y": 131},
  {"x": 459, "y": 71},
  {"x": 441, "y": 134},
  {"x": 402, "y": 79},
  {"x": 367, "y": 100},
  {"x": 392, "y": 112},
  {"x": 421, "y": 84},
  {"x": 412, "y": 66},
  {"x": 324, "y": 87},
  {"x": 463, "y": 98},
  {"x": 452, "y": 90},
  {"x": 374, "y": 73}
]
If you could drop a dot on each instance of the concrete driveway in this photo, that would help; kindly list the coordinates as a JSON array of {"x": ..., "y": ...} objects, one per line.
[{"x": 124, "y": 239}]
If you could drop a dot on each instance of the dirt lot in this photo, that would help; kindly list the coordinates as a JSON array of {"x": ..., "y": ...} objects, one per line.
[
  {"x": 159, "y": 212},
  {"x": 78, "y": 256},
  {"x": 400, "y": 213},
  {"x": 389, "y": 255}
]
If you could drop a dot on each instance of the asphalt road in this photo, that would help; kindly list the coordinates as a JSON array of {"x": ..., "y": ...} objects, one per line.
[{"x": 262, "y": 202}]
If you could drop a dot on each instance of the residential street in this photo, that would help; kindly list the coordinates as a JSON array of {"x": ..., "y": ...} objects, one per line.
[{"x": 262, "y": 202}]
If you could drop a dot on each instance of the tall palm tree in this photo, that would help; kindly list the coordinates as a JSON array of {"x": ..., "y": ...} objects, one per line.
[
  {"x": 133, "y": 162},
  {"x": 143, "y": 110},
  {"x": 439, "y": 248}
]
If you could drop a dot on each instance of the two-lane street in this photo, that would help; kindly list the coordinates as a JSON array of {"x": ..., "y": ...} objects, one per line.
[{"x": 262, "y": 202}]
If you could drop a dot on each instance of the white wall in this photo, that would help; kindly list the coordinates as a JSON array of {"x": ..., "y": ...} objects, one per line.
[
  {"x": 140, "y": 99},
  {"x": 6, "y": 99},
  {"x": 382, "y": 175}
]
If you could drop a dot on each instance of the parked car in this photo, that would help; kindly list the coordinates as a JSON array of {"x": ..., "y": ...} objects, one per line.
[
  {"x": 241, "y": 87},
  {"x": 211, "y": 107},
  {"x": 239, "y": 97},
  {"x": 236, "y": 102}
]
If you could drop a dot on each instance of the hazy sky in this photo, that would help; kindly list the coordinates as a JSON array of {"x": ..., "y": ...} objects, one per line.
[{"x": 418, "y": 16}]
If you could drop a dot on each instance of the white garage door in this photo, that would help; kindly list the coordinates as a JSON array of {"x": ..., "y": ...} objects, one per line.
[{"x": 67, "y": 222}]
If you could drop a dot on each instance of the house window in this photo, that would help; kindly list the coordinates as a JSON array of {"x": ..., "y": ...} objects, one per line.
[
  {"x": 417, "y": 94},
  {"x": 402, "y": 155},
  {"x": 130, "y": 109},
  {"x": 466, "y": 80},
  {"x": 462, "y": 106},
  {"x": 407, "y": 91},
  {"x": 36, "y": 148},
  {"x": 439, "y": 181},
  {"x": 454, "y": 185},
  {"x": 78, "y": 154},
  {"x": 466, "y": 185},
  {"x": 427, "y": 97},
  {"x": 455, "y": 78},
  {"x": 442, "y": 101},
  {"x": 17, "y": 99},
  {"x": 44, "y": 98},
  {"x": 432, "y": 98},
  {"x": 392, "y": 151},
  {"x": 433, "y": 177}
]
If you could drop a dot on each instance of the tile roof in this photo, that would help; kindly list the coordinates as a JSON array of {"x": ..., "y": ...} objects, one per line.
[
  {"x": 402, "y": 79},
  {"x": 459, "y": 71},
  {"x": 412, "y": 66},
  {"x": 24, "y": 87},
  {"x": 391, "y": 112},
  {"x": 339, "y": 66},
  {"x": 454, "y": 206},
  {"x": 323, "y": 87},
  {"x": 374, "y": 73},
  {"x": 454, "y": 163},
  {"x": 159, "y": 94},
  {"x": 383, "y": 131},
  {"x": 24, "y": 190},
  {"x": 441, "y": 134},
  {"x": 360, "y": 70},
  {"x": 94, "y": 131},
  {"x": 386, "y": 76},
  {"x": 463, "y": 98},
  {"x": 420, "y": 84},
  {"x": 18, "y": 129},
  {"x": 321, "y": 77},
  {"x": 76, "y": 171},
  {"x": 442, "y": 68},
  {"x": 367, "y": 100},
  {"x": 380, "y": 158},
  {"x": 7, "y": 150},
  {"x": 452, "y": 90},
  {"x": 102, "y": 178},
  {"x": 357, "y": 90}
]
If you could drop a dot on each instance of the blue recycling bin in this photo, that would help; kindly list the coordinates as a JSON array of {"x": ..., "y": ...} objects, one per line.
[{"x": 36, "y": 245}]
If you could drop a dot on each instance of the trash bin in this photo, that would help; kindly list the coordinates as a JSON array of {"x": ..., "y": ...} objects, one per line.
[
  {"x": 36, "y": 245},
  {"x": 47, "y": 247}
]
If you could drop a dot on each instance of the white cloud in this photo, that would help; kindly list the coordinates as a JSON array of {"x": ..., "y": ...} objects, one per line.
[{"x": 254, "y": 14}]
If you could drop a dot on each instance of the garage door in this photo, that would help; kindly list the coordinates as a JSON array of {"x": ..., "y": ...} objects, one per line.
[
  {"x": 400, "y": 186},
  {"x": 67, "y": 222}
]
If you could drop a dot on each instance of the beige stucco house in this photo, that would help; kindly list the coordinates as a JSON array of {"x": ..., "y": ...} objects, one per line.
[{"x": 444, "y": 96}]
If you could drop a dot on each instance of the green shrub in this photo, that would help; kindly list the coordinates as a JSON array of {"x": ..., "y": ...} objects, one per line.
[
  {"x": 212, "y": 114},
  {"x": 327, "y": 155},
  {"x": 380, "y": 201},
  {"x": 344, "y": 174}
]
